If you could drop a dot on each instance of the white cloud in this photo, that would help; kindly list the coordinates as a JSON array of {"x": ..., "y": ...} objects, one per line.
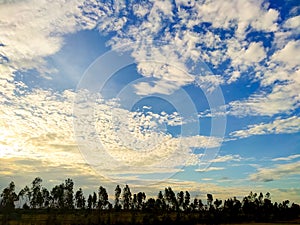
[
  {"x": 278, "y": 126},
  {"x": 226, "y": 13},
  {"x": 38, "y": 122},
  {"x": 211, "y": 168},
  {"x": 289, "y": 54},
  {"x": 35, "y": 31},
  {"x": 283, "y": 97},
  {"x": 209, "y": 82},
  {"x": 158, "y": 43},
  {"x": 246, "y": 56},
  {"x": 167, "y": 77},
  {"x": 277, "y": 172},
  {"x": 288, "y": 158},
  {"x": 135, "y": 142},
  {"x": 39, "y": 125},
  {"x": 267, "y": 21},
  {"x": 226, "y": 158},
  {"x": 293, "y": 24},
  {"x": 158, "y": 38}
]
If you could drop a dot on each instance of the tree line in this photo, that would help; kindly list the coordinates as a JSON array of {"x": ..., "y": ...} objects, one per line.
[{"x": 63, "y": 197}]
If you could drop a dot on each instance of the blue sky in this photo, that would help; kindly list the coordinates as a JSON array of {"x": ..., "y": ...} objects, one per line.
[{"x": 198, "y": 95}]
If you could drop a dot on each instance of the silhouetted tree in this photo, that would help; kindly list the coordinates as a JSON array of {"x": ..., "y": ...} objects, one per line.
[
  {"x": 134, "y": 202},
  {"x": 37, "y": 197},
  {"x": 160, "y": 202},
  {"x": 9, "y": 197},
  {"x": 141, "y": 196},
  {"x": 252, "y": 208},
  {"x": 171, "y": 202},
  {"x": 232, "y": 207},
  {"x": 57, "y": 194},
  {"x": 94, "y": 200},
  {"x": 25, "y": 194},
  {"x": 90, "y": 202},
  {"x": 200, "y": 205},
  {"x": 209, "y": 200},
  {"x": 21, "y": 195},
  {"x": 117, "y": 197},
  {"x": 46, "y": 196},
  {"x": 194, "y": 205},
  {"x": 150, "y": 204},
  {"x": 187, "y": 198},
  {"x": 250, "y": 205},
  {"x": 102, "y": 198},
  {"x": 217, "y": 203},
  {"x": 180, "y": 199},
  {"x": 126, "y": 197},
  {"x": 79, "y": 199},
  {"x": 68, "y": 193}
]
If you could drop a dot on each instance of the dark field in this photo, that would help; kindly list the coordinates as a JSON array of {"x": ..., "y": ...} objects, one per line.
[{"x": 75, "y": 217}]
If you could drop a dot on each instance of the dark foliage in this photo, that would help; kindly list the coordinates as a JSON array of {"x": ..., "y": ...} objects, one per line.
[{"x": 167, "y": 208}]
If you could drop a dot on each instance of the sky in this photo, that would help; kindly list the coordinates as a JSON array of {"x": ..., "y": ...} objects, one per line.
[{"x": 197, "y": 95}]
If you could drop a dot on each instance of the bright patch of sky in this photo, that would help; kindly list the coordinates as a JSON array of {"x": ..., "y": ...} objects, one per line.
[{"x": 152, "y": 93}]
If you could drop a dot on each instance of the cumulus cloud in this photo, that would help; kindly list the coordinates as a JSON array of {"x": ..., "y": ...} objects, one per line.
[
  {"x": 156, "y": 37},
  {"x": 288, "y": 55},
  {"x": 293, "y": 24},
  {"x": 156, "y": 28}
]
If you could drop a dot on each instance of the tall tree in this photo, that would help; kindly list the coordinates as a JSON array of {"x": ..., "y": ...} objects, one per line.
[
  {"x": 79, "y": 199},
  {"x": 68, "y": 193},
  {"x": 37, "y": 198},
  {"x": 9, "y": 197},
  {"x": 171, "y": 202},
  {"x": 187, "y": 199},
  {"x": 200, "y": 205},
  {"x": 194, "y": 205},
  {"x": 94, "y": 200},
  {"x": 141, "y": 197},
  {"x": 102, "y": 198},
  {"x": 90, "y": 202},
  {"x": 46, "y": 197},
  {"x": 209, "y": 200},
  {"x": 134, "y": 202},
  {"x": 160, "y": 202},
  {"x": 117, "y": 197},
  {"x": 126, "y": 197},
  {"x": 21, "y": 196},
  {"x": 57, "y": 194},
  {"x": 27, "y": 197},
  {"x": 180, "y": 199}
]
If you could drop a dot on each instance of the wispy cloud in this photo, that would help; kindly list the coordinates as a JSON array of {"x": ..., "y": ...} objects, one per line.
[
  {"x": 276, "y": 172},
  {"x": 288, "y": 158},
  {"x": 278, "y": 126},
  {"x": 36, "y": 31},
  {"x": 226, "y": 158},
  {"x": 210, "y": 169}
]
